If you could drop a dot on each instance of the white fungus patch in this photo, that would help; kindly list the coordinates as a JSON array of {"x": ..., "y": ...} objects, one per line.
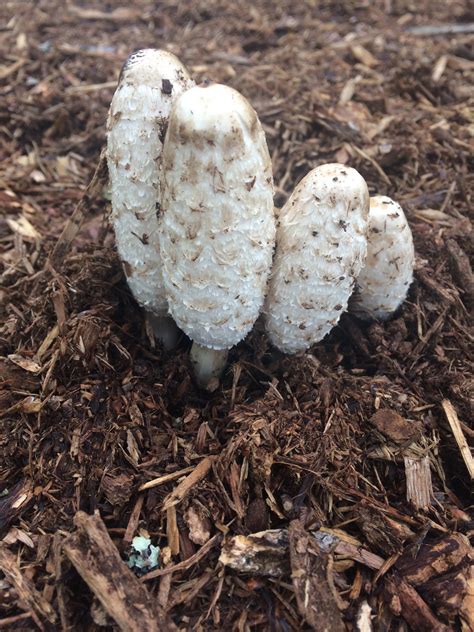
[
  {"x": 143, "y": 556},
  {"x": 384, "y": 281},
  {"x": 150, "y": 81},
  {"x": 321, "y": 245},
  {"x": 218, "y": 229}
]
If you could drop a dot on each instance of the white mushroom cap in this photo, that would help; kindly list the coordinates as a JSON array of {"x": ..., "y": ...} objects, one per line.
[
  {"x": 383, "y": 283},
  {"x": 321, "y": 246},
  {"x": 149, "y": 83},
  {"x": 151, "y": 67},
  {"x": 218, "y": 228}
]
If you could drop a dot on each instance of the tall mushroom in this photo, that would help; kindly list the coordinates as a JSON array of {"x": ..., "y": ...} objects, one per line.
[
  {"x": 320, "y": 248},
  {"x": 383, "y": 283},
  {"x": 217, "y": 233},
  {"x": 138, "y": 117}
]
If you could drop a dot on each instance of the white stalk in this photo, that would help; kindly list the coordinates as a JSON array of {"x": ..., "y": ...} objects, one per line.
[{"x": 208, "y": 365}]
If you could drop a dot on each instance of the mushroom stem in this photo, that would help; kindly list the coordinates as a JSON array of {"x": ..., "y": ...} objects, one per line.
[
  {"x": 165, "y": 330},
  {"x": 208, "y": 365}
]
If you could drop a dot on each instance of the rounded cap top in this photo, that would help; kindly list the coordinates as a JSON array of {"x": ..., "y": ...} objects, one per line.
[
  {"x": 152, "y": 66},
  {"x": 215, "y": 109}
]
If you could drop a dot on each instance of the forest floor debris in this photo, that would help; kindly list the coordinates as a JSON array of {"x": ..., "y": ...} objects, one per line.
[{"x": 103, "y": 436}]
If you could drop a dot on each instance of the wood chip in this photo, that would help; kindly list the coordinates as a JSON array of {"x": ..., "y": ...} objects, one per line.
[
  {"x": 461, "y": 268},
  {"x": 382, "y": 532},
  {"x": 463, "y": 446},
  {"x": 47, "y": 342},
  {"x": 198, "y": 524},
  {"x": 27, "y": 593},
  {"x": 121, "y": 594},
  {"x": 165, "y": 478},
  {"x": 25, "y": 363},
  {"x": 198, "y": 473},
  {"x": 395, "y": 427},
  {"x": 120, "y": 14},
  {"x": 436, "y": 558},
  {"x": 6, "y": 71},
  {"x": 134, "y": 519},
  {"x": 364, "y": 56},
  {"x": 172, "y": 532},
  {"x": 24, "y": 228},
  {"x": 263, "y": 553},
  {"x": 467, "y": 607},
  {"x": 406, "y": 602},
  {"x": 418, "y": 477},
  {"x": 359, "y": 554},
  {"x": 439, "y": 68},
  {"x": 442, "y": 29},
  {"x": 312, "y": 581},
  {"x": 14, "y": 503}
]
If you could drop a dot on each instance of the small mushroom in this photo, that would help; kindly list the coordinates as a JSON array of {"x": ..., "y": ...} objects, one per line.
[
  {"x": 320, "y": 248},
  {"x": 138, "y": 117},
  {"x": 218, "y": 229},
  {"x": 383, "y": 283}
]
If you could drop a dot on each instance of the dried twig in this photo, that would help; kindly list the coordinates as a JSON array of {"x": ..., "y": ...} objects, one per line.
[
  {"x": 405, "y": 601},
  {"x": 185, "y": 564},
  {"x": 198, "y": 473},
  {"x": 90, "y": 87},
  {"x": 165, "y": 478},
  {"x": 9, "y": 622},
  {"x": 455, "y": 425},
  {"x": 443, "y": 29},
  {"x": 27, "y": 593},
  {"x": 74, "y": 223}
]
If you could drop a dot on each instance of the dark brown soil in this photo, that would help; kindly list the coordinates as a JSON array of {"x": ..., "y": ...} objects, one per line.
[{"x": 90, "y": 410}]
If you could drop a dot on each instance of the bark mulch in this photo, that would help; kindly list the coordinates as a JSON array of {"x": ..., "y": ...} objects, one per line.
[{"x": 328, "y": 491}]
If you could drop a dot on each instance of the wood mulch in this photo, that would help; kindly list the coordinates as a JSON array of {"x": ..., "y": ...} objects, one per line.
[{"x": 328, "y": 491}]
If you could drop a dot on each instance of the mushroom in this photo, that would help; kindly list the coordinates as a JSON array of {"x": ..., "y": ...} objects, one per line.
[
  {"x": 383, "y": 283},
  {"x": 320, "y": 248},
  {"x": 218, "y": 229},
  {"x": 138, "y": 117}
]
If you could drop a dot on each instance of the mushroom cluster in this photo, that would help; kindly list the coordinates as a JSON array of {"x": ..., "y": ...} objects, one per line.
[{"x": 201, "y": 245}]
